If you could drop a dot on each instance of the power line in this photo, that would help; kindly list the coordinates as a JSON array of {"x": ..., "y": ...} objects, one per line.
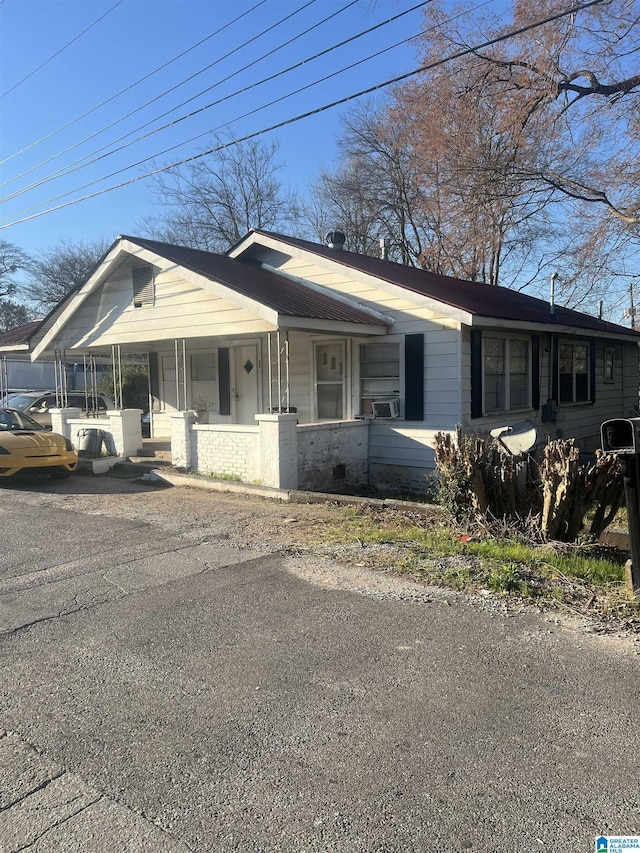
[
  {"x": 123, "y": 91},
  {"x": 233, "y": 121},
  {"x": 168, "y": 91},
  {"x": 68, "y": 169},
  {"x": 58, "y": 52},
  {"x": 316, "y": 111},
  {"x": 80, "y": 163}
]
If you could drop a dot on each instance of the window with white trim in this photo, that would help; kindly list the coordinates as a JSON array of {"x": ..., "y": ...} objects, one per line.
[
  {"x": 506, "y": 374},
  {"x": 573, "y": 372},
  {"x": 379, "y": 374},
  {"x": 168, "y": 378},
  {"x": 204, "y": 384}
]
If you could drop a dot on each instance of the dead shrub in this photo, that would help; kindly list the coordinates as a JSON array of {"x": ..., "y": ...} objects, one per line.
[{"x": 481, "y": 482}]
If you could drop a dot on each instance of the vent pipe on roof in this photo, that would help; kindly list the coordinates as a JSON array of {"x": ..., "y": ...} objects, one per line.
[
  {"x": 336, "y": 240},
  {"x": 552, "y": 293},
  {"x": 599, "y": 309},
  {"x": 384, "y": 248}
]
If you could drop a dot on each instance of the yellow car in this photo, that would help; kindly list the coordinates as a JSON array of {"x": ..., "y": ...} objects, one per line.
[{"x": 28, "y": 449}]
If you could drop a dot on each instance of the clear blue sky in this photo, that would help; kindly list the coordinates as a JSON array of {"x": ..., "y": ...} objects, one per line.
[{"x": 59, "y": 59}]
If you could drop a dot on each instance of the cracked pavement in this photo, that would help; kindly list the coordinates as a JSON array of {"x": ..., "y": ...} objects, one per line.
[{"x": 172, "y": 683}]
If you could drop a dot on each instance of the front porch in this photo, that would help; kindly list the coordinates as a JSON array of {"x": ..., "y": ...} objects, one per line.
[{"x": 276, "y": 452}]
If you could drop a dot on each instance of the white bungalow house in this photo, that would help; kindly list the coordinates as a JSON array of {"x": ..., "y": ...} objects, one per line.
[{"x": 298, "y": 365}]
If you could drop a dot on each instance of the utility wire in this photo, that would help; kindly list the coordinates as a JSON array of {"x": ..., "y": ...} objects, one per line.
[
  {"x": 80, "y": 164},
  {"x": 126, "y": 89},
  {"x": 370, "y": 90},
  {"x": 232, "y": 121},
  {"x": 70, "y": 168},
  {"x": 171, "y": 89},
  {"x": 58, "y": 52}
]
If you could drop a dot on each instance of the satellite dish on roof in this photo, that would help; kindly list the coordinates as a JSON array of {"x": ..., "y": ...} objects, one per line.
[{"x": 518, "y": 438}]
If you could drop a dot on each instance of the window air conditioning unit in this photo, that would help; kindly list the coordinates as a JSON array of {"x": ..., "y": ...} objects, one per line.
[{"x": 386, "y": 408}]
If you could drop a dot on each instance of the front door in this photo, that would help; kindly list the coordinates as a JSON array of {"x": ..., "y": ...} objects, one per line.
[
  {"x": 244, "y": 389},
  {"x": 330, "y": 377}
]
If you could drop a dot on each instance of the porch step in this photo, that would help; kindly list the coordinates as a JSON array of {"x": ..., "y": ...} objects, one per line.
[
  {"x": 138, "y": 466},
  {"x": 159, "y": 456},
  {"x": 156, "y": 461}
]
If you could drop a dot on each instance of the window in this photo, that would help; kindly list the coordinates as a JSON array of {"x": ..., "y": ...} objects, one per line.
[
  {"x": 379, "y": 374},
  {"x": 573, "y": 373},
  {"x": 203, "y": 367},
  {"x": 168, "y": 378},
  {"x": 143, "y": 286},
  {"x": 507, "y": 375},
  {"x": 330, "y": 378},
  {"x": 204, "y": 387},
  {"x": 609, "y": 364}
]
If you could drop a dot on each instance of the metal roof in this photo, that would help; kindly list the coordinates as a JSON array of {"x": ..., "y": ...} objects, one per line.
[
  {"x": 19, "y": 335},
  {"x": 482, "y": 300}
]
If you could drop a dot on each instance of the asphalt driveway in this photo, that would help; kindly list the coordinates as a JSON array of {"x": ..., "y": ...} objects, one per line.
[{"x": 166, "y": 690}]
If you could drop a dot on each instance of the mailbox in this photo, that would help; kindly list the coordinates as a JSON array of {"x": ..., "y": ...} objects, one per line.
[{"x": 621, "y": 436}]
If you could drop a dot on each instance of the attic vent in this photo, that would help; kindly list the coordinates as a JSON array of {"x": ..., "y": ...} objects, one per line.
[{"x": 143, "y": 290}]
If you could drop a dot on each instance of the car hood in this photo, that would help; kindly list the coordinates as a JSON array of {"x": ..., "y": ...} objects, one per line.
[{"x": 23, "y": 440}]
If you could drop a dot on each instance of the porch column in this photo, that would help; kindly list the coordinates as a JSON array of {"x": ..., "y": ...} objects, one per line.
[
  {"x": 60, "y": 419},
  {"x": 181, "y": 449},
  {"x": 126, "y": 431},
  {"x": 278, "y": 450}
]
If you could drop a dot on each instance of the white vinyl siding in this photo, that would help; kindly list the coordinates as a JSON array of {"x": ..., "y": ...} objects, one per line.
[
  {"x": 411, "y": 314},
  {"x": 181, "y": 309}
]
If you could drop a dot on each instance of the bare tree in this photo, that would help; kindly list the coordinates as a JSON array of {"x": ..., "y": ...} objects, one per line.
[
  {"x": 62, "y": 268},
  {"x": 213, "y": 201},
  {"x": 12, "y": 260},
  {"x": 512, "y": 160},
  {"x": 436, "y": 182},
  {"x": 341, "y": 198},
  {"x": 565, "y": 107},
  {"x": 12, "y": 314}
]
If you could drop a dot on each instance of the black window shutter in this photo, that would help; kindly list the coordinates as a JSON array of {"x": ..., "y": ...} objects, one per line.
[
  {"x": 224, "y": 381},
  {"x": 535, "y": 372},
  {"x": 554, "y": 368},
  {"x": 143, "y": 288},
  {"x": 476, "y": 373},
  {"x": 414, "y": 377},
  {"x": 592, "y": 371}
]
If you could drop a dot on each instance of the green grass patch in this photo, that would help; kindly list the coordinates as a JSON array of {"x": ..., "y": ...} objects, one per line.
[{"x": 435, "y": 553}]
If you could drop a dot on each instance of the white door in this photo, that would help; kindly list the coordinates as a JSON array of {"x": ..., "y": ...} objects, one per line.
[
  {"x": 330, "y": 377},
  {"x": 245, "y": 383}
]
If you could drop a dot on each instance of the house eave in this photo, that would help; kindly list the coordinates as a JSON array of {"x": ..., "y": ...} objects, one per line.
[
  {"x": 15, "y": 348},
  {"x": 550, "y": 328},
  {"x": 342, "y": 327}
]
